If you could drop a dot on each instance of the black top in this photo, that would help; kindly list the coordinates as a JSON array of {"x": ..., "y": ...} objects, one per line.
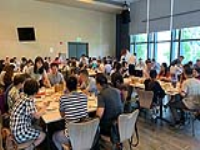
[
  {"x": 110, "y": 99},
  {"x": 117, "y": 78},
  {"x": 154, "y": 86}
]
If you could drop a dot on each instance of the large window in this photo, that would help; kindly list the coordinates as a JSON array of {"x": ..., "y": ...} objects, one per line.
[
  {"x": 140, "y": 45},
  {"x": 163, "y": 45},
  {"x": 164, "y": 36},
  {"x": 141, "y": 38},
  {"x": 163, "y": 52},
  {"x": 190, "y": 50},
  {"x": 141, "y": 51},
  {"x": 166, "y": 46},
  {"x": 190, "y": 33}
]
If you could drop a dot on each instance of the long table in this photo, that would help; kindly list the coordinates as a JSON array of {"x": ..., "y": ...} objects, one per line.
[
  {"x": 167, "y": 86},
  {"x": 169, "y": 89},
  {"x": 52, "y": 113}
]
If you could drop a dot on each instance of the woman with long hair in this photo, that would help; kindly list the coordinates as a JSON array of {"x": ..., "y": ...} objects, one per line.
[
  {"x": 6, "y": 76},
  {"x": 38, "y": 72},
  {"x": 164, "y": 74}
]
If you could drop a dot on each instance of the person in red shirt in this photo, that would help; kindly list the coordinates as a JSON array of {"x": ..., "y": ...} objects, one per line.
[
  {"x": 164, "y": 74},
  {"x": 196, "y": 73}
]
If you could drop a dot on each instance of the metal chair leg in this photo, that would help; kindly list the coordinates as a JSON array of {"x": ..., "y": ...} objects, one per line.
[
  {"x": 130, "y": 143},
  {"x": 193, "y": 127}
]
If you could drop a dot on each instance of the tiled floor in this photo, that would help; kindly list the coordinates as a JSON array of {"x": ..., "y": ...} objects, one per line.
[{"x": 157, "y": 137}]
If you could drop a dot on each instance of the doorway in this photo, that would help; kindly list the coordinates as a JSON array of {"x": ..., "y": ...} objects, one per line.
[{"x": 76, "y": 49}]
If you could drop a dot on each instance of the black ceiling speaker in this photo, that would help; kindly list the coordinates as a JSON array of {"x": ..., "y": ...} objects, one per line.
[{"x": 125, "y": 14}]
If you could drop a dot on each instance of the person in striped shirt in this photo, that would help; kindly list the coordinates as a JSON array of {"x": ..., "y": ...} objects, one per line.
[{"x": 73, "y": 107}]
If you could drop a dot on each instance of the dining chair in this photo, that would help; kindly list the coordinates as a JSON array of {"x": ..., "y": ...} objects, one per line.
[
  {"x": 145, "y": 99},
  {"x": 193, "y": 110},
  {"x": 1, "y": 140},
  {"x": 82, "y": 134},
  {"x": 24, "y": 145},
  {"x": 11, "y": 144},
  {"x": 126, "y": 126}
]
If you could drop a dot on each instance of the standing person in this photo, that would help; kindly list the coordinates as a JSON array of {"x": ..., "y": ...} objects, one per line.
[
  {"x": 38, "y": 72},
  {"x": 178, "y": 60},
  {"x": 73, "y": 107},
  {"x": 22, "y": 115},
  {"x": 109, "y": 105},
  {"x": 125, "y": 55},
  {"x": 132, "y": 59}
]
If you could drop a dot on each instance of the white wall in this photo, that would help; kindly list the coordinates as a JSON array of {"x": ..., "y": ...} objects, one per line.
[{"x": 54, "y": 24}]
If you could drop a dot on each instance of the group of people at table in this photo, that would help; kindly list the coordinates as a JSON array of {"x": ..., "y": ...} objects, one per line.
[{"x": 23, "y": 89}]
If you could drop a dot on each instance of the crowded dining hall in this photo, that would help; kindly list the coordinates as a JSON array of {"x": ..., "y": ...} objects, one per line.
[{"x": 100, "y": 75}]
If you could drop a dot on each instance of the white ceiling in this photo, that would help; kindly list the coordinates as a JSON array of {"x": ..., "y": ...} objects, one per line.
[{"x": 110, "y": 6}]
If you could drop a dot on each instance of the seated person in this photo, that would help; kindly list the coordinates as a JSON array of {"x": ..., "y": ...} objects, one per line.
[
  {"x": 147, "y": 69},
  {"x": 73, "y": 107},
  {"x": 155, "y": 65},
  {"x": 101, "y": 67},
  {"x": 14, "y": 93},
  {"x": 153, "y": 85},
  {"x": 88, "y": 84},
  {"x": 176, "y": 70},
  {"x": 109, "y": 105},
  {"x": 164, "y": 74},
  {"x": 125, "y": 72},
  {"x": 38, "y": 72},
  {"x": 116, "y": 77},
  {"x": 196, "y": 73},
  {"x": 22, "y": 115},
  {"x": 108, "y": 67},
  {"x": 190, "y": 87},
  {"x": 55, "y": 77},
  {"x": 140, "y": 65}
]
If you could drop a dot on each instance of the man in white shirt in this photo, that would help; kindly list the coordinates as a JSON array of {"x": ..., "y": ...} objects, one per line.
[
  {"x": 107, "y": 67},
  {"x": 132, "y": 59},
  {"x": 186, "y": 98},
  {"x": 140, "y": 65},
  {"x": 176, "y": 70},
  {"x": 84, "y": 59}
]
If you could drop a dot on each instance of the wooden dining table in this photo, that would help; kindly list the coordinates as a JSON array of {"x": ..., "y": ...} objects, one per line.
[
  {"x": 52, "y": 113},
  {"x": 166, "y": 86},
  {"x": 169, "y": 89}
]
